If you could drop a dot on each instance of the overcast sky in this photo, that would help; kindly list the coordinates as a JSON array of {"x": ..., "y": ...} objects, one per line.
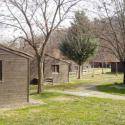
[{"x": 89, "y": 7}]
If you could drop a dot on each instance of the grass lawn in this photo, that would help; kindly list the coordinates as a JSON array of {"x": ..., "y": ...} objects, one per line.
[
  {"x": 114, "y": 88},
  {"x": 60, "y": 109},
  {"x": 103, "y": 82},
  {"x": 99, "y": 79}
]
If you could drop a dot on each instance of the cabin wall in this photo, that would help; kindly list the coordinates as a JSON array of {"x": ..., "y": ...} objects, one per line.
[
  {"x": 14, "y": 85},
  {"x": 58, "y": 77}
]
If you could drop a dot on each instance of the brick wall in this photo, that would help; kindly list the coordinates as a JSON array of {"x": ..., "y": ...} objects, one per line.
[{"x": 62, "y": 76}]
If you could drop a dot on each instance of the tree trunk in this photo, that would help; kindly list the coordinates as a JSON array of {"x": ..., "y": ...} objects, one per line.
[
  {"x": 123, "y": 63},
  {"x": 93, "y": 66},
  {"x": 116, "y": 68},
  {"x": 40, "y": 75},
  {"x": 79, "y": 72},
  {"x": 102, "y": 68},
  {"x": 124, "y": 78}
]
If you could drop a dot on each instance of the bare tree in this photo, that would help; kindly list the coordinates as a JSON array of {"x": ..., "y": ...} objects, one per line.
[
  {"x": 110, "y": 28},
  {"x": 31, "y": 18}
]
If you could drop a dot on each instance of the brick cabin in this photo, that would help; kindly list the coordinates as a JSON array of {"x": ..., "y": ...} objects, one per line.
[
  {"x": 103, "y": 59},
  {"x": 54, "y": 68},
  {"x": 57, "y": 69},
  {"x": 14, "y": 76}
]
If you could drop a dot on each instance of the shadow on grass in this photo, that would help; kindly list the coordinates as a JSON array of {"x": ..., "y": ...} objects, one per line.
[
  {"x": 33, "y": 93},
  {"x": 65, "y": 86},
  {"x": 116, "y": 88},
  {"x": 114, "y": 73},
  {"x": 46, "y": 96}
]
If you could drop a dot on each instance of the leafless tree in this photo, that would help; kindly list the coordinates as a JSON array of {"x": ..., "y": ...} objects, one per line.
[
  {"x": 30, "y": 18},
  {"x": 110, "y": 28}
]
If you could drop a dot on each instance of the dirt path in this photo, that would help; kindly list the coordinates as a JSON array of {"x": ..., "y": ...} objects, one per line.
[
  {"x": 95, "y": 94},
  {"x": 91, "y": 91}
]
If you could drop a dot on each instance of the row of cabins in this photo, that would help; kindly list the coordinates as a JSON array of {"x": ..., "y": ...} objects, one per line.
[{"x": 16, "y": 74}]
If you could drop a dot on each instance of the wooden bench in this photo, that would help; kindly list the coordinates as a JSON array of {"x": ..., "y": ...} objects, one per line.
[{"x": 49, "y": 80}]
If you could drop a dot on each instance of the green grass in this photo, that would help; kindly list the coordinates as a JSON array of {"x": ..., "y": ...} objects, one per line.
[
  {"x": 98, "y": 79},
  {"x": 71, "y": 110},
  {"x": 104, "y": 82},
  {"x": 62, "y": 109},
  {"x": 112, "y": 88}
]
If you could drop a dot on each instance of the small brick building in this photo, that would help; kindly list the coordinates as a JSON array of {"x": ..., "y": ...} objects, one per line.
[
  {"x": 14, "y": 76},
  {"x": 54, "y": 68},
  {"x": 57, "y": 69}
]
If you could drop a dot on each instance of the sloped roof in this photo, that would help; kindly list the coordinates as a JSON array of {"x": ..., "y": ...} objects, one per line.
[
  {"x": 57, "y": 58},
  {"x": 19, "y": 53},
  {"x": 103, "y": 55}
]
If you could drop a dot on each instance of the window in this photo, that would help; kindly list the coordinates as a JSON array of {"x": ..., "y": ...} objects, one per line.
[
  {"x": 55, "y": 68},
  {"x": 0, "y": 70}
]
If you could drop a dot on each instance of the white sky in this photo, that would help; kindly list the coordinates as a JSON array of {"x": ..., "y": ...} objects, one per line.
[{"x": 8, "y": 33}]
